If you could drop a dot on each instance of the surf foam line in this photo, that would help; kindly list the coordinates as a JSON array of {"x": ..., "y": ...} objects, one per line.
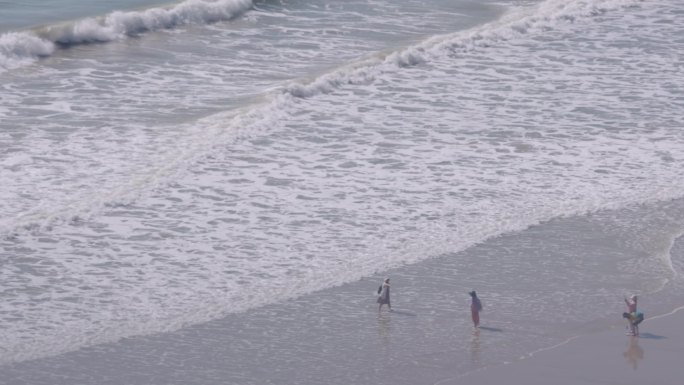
[
  {"x": 673, "y": 265},
  {"x": 21, "y": 48},
  {"x": 513, "y": 24}
]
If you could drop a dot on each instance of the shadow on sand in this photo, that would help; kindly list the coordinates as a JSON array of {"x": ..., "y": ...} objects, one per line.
[
  {"x": 490, "y": 329},
  {"x": 651, "y": 336}
]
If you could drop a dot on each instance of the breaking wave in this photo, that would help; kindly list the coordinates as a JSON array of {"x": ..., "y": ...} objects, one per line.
[{"x": 21, "y": 48}]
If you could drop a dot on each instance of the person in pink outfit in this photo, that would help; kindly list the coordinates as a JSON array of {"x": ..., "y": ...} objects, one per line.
[
  {"x": 475, "y": 308},
  {"x": 631, "y": 303}
]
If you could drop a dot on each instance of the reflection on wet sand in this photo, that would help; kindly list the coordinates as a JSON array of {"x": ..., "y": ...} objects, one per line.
[
  {"x": 475, "y": 348},
  {"x": 384, "y": 327},
  {"x": 634, "y": 352}
]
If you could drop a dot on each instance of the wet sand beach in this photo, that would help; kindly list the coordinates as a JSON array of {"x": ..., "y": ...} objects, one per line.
[{"x": 610, "y": 357}]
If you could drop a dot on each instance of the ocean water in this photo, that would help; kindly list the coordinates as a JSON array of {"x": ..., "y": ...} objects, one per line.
[{"x": 165, "y": 166}]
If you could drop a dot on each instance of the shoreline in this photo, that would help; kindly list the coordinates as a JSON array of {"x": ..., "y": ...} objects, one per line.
[
  {"x": 311, "y": 339},
  {"x": 336, "y": 336}
]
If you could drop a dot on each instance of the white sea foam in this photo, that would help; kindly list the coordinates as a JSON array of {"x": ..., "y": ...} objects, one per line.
[{"x": 20, "y": 48}]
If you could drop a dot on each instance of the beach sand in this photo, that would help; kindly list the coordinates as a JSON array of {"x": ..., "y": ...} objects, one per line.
[{"x": 656, "y": 357}]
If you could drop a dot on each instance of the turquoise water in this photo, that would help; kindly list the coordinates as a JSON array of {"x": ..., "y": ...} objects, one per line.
[{"x": 27, "y": 14}]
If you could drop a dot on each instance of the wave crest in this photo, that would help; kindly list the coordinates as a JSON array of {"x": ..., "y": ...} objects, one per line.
[
  {"x": 18, "y": 48},
  {"x": 118, "y": 24}
]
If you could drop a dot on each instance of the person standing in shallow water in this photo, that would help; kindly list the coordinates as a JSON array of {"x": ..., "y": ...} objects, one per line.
[
  {"x": 631, "y": 309},
  {"x": 475, "y": 308},
  {"x": 384, "y": 295}
]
